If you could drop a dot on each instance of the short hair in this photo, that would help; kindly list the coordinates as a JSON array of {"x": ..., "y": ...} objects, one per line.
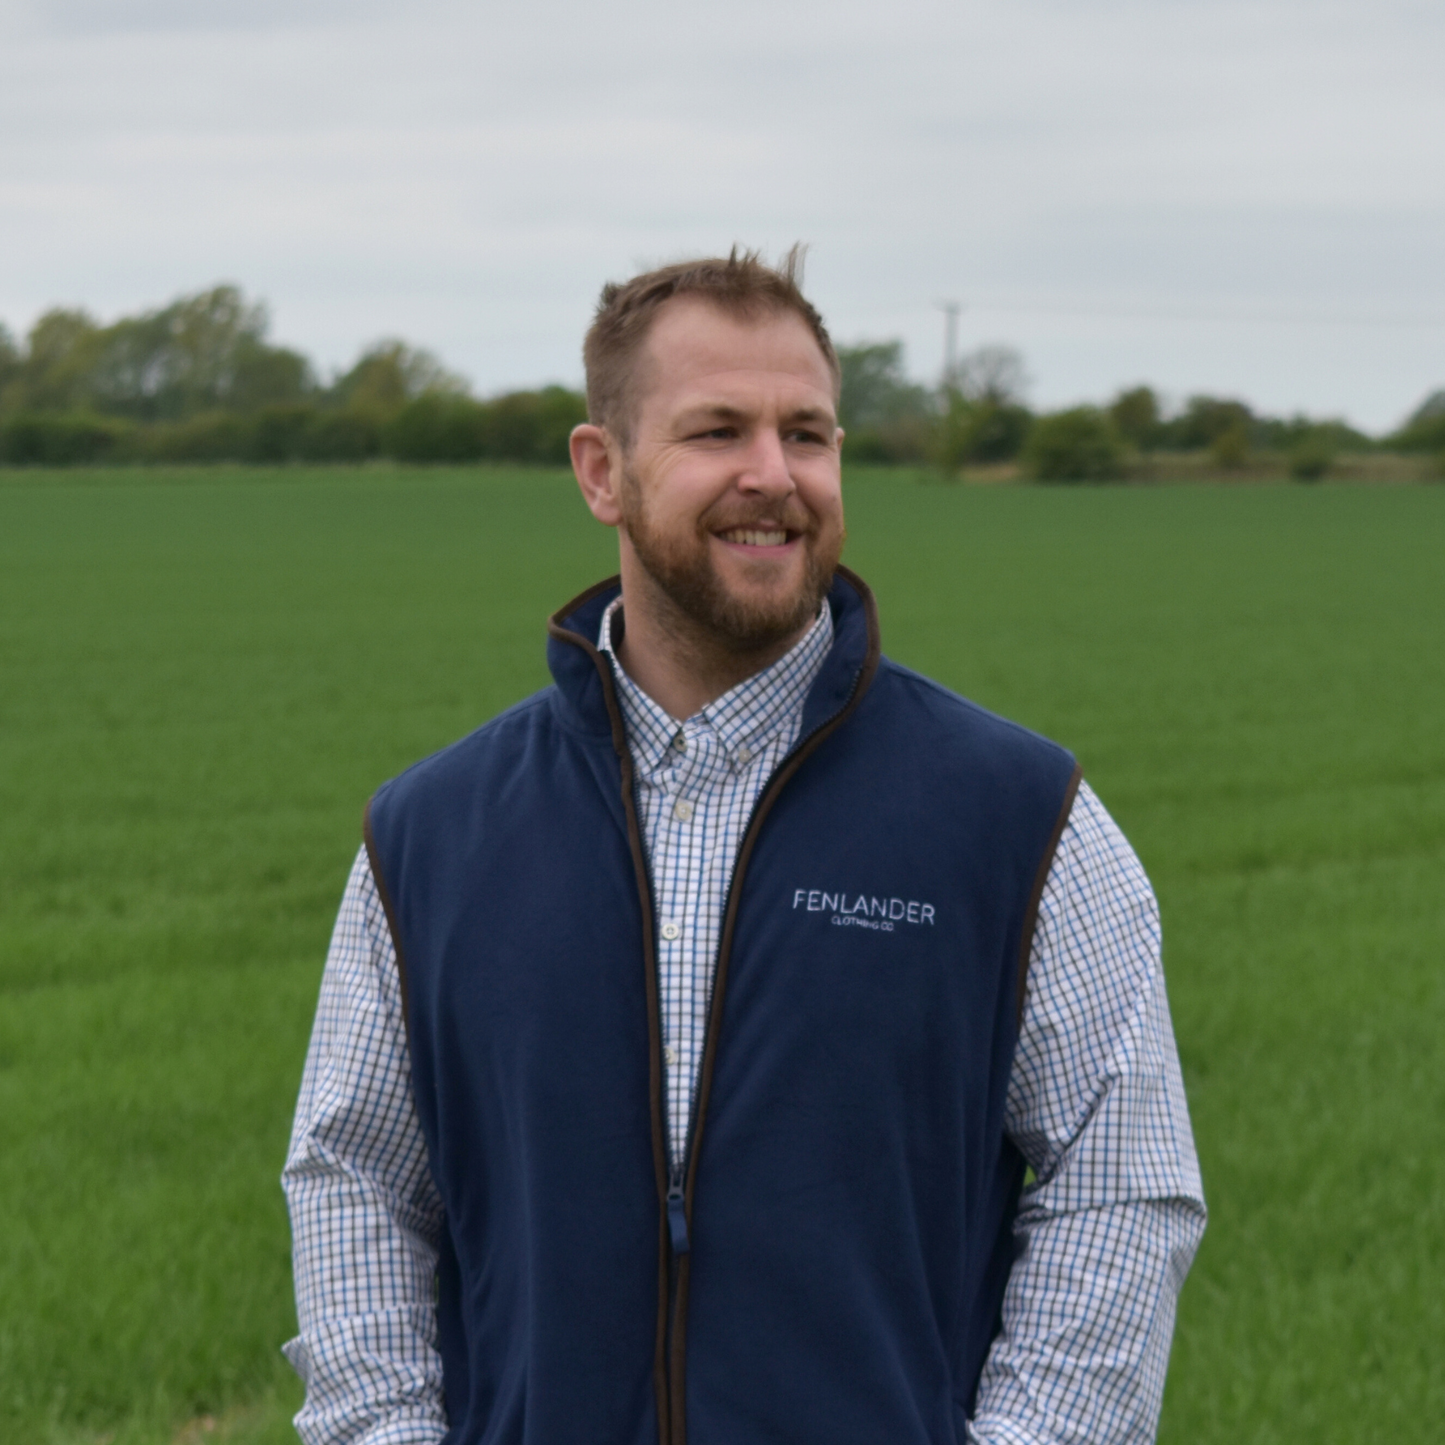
[{"x": 741, "y": 284}]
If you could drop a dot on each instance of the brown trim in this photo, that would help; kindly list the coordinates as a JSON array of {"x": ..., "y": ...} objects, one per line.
[
  {"x": 555, "y": 621},
  {"x": 677, "y": 1360},
  {"x": 677, "y": 1365},
  {"x": 1031, "y": 914},
  {"x": 670, "y": 1366},
  {"x": 649, "y": 957},
  {"x": 373, "y": 858}
]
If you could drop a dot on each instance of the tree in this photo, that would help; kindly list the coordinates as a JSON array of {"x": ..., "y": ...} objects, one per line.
[
  {"x": 997, "y": 431},
  {"x": 979, "y": 431},
  {"x": 1078, "y": 445},
  {"x": 268, "y": 376},
  {"x": 1430, "y": 410},
  {"x": 534, "y": 426},
  {"x": 184, "y": 358},
  {"x": 59, "y": 354},
  {"x": 10, "y": 361},
  {"x": 984, "y": 418},
  {"x": 1135, "y": 415},
  {"x": 522, "y": 426},
  {"x": 887, "y": 417},
  {"x": 200, "y": 353},
  {"x": 58, "y": 440},
  {"x": 1424, "y": 431},
  {"x": 993, "y": 375},
  {"x": 875, "y": 390},
  {"x": 1229, "y": 451},
  {"x": 388, "y": 374},
  {"x": 871, "y": 375},
  {"x": 1311, "y": 457},
  {"x": 1204, "y": 420},
  {"x": 1288, "y": 434}
]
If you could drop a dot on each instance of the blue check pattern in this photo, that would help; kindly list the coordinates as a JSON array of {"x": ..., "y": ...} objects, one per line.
[
  {"x": 696, "y": 784},
  {"x": 1107, "y": 1229}
]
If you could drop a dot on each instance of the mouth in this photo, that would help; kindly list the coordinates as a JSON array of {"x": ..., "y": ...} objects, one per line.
[{"x": 757, "y": 536}]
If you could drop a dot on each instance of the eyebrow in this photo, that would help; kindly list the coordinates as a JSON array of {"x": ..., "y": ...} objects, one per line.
[{"x": 723, "y": 412}]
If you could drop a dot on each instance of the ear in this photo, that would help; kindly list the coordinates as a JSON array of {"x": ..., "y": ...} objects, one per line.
[{"x": 597, "y": 462}]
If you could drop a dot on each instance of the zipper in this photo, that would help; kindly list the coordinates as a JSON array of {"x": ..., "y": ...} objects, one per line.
[
  {"x": 680, "y": 1167},
  {"x": 678, "y": 1176},
  {"x": 676, "y": 1172},
  {"x": 677, "y": 1212}
]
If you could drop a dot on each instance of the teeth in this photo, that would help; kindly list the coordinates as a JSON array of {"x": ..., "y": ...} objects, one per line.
[{"x": 752, "y": 538}]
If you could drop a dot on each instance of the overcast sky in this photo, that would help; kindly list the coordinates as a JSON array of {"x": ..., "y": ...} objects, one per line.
[{"x": 1244, "y": 198}]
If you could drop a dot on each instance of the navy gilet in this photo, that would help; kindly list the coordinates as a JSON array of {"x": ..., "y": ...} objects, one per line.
[{"x": 827, "y": 1263}]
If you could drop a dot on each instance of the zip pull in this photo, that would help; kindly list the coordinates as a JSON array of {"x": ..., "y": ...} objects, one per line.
[{"x": 677, "y": 1218}]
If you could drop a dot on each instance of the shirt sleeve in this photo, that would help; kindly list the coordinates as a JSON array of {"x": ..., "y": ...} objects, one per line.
[
  {"x": 365, "y": 1215},
  {"x": 1109, "y": 1225}
]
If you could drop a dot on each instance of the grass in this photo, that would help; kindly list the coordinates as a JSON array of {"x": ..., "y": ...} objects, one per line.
[{"x": 204, "y": 675}]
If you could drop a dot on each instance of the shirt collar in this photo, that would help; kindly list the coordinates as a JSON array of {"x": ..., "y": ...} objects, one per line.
[{"x": 744, "y": 719}]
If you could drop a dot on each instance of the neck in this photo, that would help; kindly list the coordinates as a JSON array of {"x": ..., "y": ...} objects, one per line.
[{"x": 680, "y": 665}]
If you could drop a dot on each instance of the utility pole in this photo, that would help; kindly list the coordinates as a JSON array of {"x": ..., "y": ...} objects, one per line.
[{"x": 951, "y": 310}]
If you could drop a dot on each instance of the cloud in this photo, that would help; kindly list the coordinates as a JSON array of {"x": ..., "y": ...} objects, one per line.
[
  {"x": 212, "y": 17},
  {"x": 1151, "y": 179}
]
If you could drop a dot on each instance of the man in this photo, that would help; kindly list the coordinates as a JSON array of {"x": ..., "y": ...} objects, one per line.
[{"x": 688, "y": 1029}]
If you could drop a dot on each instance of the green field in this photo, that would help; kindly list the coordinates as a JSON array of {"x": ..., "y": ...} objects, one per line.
[{"x": 203, "y": 676}]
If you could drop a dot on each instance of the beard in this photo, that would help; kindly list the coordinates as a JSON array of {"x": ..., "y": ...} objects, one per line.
[{"x": 681, "y": 568}]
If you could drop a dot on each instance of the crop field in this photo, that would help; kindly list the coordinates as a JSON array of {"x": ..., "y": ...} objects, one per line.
[{"x": 204, "y": 675}]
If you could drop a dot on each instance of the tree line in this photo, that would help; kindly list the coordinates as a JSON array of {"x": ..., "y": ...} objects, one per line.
[
  {"x": 198, "y": 381},
  {"x": 978, "y": 417}
]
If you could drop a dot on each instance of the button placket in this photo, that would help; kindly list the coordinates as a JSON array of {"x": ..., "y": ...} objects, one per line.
[
  {"x": 704, "y": 764},
  {"x": 691, "y": 772}
]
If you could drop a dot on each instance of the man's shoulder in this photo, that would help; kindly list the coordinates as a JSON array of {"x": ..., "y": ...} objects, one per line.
[
  {"x": 945, "y": 716},
  {"x": 498, "y": 743}
]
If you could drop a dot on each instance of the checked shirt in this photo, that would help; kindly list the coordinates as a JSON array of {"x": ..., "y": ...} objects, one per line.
[{"x": 1107, "y": 1228}]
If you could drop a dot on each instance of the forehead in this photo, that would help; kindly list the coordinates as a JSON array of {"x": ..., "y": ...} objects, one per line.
[{"x": 695, "y": 347}]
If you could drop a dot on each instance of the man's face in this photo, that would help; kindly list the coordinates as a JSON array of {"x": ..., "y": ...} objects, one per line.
[{"x": 731, "y": 492}]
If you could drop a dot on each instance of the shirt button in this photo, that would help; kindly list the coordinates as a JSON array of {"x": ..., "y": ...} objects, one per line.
[
  {"x": 682, "y": 810},
  {"x": 669, "y": 1054},
  {"x": 671, "y": 931},
  {"x": 680, "y": 741},
  {"x": 745, "y": 755}
]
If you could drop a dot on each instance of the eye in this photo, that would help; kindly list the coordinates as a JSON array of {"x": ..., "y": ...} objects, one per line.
[
  {"x": 807, "y": 436},
  {"x": 715, "y": 434}
]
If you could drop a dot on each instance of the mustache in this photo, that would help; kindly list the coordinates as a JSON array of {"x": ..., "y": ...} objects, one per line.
[{"x": 791, "y": 515}]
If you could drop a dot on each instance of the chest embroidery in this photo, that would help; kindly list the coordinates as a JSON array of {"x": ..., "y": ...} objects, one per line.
[{"x": 863, "y": 910}]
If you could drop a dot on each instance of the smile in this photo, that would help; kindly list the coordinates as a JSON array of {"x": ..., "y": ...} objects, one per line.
[{"x": 752, "y": 537}]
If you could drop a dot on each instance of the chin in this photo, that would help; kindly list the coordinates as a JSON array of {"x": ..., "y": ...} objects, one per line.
[
  {"x": 753, "y": 620},
  {"x": 770, "y": 594},
  {"x": 746, "y": 605}
]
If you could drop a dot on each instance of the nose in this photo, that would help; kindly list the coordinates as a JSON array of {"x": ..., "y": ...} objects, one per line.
[{"x": 765, "y": 470}]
